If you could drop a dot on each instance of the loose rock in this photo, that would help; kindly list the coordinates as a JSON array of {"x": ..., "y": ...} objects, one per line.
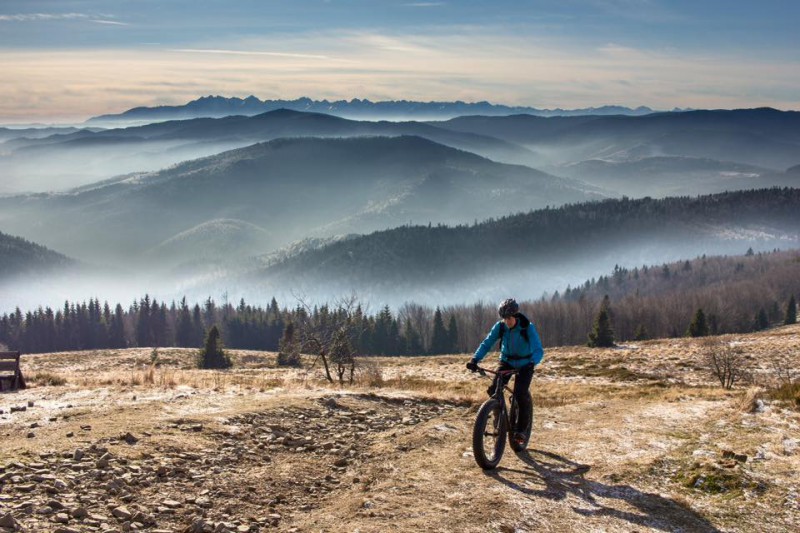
[
  {"x": 122, "y": 513},
  {"x": 7, "y": 521}
]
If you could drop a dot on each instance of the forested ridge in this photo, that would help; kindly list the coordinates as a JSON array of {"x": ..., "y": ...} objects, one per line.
[
  {"x": 18, "y": 255},
  {"x": 554, "y": 236},
  {"x": 737, "y": 294}
]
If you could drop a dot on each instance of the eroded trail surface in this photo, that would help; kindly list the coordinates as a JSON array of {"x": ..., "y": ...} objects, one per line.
[{"x": 245, "y": 472}]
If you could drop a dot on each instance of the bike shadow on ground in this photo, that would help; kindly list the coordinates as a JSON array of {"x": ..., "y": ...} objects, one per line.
[{"x": 554, "y": 477}]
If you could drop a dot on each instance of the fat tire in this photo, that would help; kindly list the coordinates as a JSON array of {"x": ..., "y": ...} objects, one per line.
[
  {"x": 478, "y": 430},
  {"x": 512, "y": 415}
]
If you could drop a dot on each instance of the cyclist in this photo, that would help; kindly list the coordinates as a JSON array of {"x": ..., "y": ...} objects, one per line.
[{"x": 520, "y": 348}]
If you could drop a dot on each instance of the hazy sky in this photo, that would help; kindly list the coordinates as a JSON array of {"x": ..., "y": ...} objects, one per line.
[{"x": 71, "y": 59}]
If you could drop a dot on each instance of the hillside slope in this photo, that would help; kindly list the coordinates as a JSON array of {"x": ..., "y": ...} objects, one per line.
[
  {"x": 543, "y": 250},
  {"x": 19, "y": 256},
  {"x": 762, "y": 137}
]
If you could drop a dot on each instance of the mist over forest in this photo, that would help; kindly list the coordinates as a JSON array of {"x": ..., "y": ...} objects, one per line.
[{"x": 293, "y": 203}]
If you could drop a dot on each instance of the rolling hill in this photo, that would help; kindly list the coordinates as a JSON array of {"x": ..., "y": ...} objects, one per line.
[
  {"x": 762, "y": 137},
  {"x": 295, "y": 188},
  {"x": 62, "y": 161}
]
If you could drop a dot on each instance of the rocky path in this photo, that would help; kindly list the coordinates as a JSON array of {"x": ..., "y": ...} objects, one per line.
[{"x": 247, "y": 472}]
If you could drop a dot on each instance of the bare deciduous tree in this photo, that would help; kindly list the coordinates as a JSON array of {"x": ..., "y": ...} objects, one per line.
[
  {"x": 784, "y": 369},
  {"x": 327, "y": 333},
  {"x": 727, "y": 363}
]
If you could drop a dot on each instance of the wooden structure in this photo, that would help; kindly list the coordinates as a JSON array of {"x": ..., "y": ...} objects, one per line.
[{"x": 10, "y": 372}]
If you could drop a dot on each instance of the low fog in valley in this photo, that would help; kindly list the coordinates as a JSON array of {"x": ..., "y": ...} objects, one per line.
[{"x": 283, "y": 203}]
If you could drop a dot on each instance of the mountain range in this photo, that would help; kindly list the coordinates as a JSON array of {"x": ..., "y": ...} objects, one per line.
[
  {"x": 62, "y": 161},
  {"x": 220, "y": 106},
  {"x": 689, "y": 152},
  {"x": 289, "y": 199}
]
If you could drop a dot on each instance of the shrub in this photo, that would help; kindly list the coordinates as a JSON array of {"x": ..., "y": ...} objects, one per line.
[
  {"x": 48, "y": 379},
  {"x": 369, "y": 373},
  {"x": 290, "y": 359}
]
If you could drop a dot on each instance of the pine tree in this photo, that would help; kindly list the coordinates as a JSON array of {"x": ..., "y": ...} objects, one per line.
[
  {"x": 791, "y": 312},
  {"x": 212, "y": 355},
  {"x": 699, "y": 325},
  {"x": 197, "y": 325},
  {"x": 383, "y": 343},
  {"x": 602, "y": 336},
  {"x": 158, "y": 324},
  {"x": 641, "y": 333},
  {"x": 184, "y": 329},
  {"x": 395, "y": 345},
  {"x": 413, "y": 339},
  {"x": 144, "y": 329},
  {"x": 452, "y": 335},
  {"x": 288, "y": 353},
  {"x": 116, "y": 332},
  {"x": 439, "y": 337},
  {"x": 761, "y": 320}
]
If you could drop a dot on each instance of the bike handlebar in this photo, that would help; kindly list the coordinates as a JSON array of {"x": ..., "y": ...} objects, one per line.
[{"x": 482, "y": 371}]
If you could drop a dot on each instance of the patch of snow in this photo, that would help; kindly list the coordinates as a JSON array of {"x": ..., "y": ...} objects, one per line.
[{"x": 790, "y": 446}]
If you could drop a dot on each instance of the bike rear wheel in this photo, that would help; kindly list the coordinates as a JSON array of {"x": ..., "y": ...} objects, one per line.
[
  {"x": 513, "y": 413},
  {"x": 489, "y": 435}
]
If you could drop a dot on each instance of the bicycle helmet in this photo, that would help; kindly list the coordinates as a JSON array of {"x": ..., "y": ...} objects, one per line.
[{"x": 508, "y": 307}]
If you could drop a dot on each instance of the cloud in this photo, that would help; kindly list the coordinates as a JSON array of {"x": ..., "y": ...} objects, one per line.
[
  {"x": 111, "y": 22},
  {"x": 43, "y": 16},
  {"x": 248, "y": 53},
  {"x": 34, "y": 17}
]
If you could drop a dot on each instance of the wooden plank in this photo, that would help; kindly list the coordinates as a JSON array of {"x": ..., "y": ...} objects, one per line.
[
  {"x": 9, "y": 355},
  {"x": 9, "y": 366}
]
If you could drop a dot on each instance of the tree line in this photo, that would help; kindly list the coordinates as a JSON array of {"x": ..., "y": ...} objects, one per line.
[
  {"x": 150, "y": 323},
  {"x": 734, "y": 294}
]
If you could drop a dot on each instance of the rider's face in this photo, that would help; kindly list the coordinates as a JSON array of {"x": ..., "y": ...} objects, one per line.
[{"x": 510, "y": 321}]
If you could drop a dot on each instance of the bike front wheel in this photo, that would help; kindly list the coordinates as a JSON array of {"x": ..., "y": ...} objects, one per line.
[{"x": 489, "y": 434}]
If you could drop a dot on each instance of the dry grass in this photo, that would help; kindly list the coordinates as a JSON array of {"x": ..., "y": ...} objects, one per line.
[
  {"x": 750, "y": 400},
  {"x": 46, "y": 379},
  {"x": 788, "y": 393}
]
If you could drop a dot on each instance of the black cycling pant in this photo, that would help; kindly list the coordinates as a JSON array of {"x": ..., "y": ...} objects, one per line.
[{"x": 522, "y": 384}]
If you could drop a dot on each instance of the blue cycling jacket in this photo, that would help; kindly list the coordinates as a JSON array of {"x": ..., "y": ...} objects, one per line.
[{"x": 514, "y": 344}]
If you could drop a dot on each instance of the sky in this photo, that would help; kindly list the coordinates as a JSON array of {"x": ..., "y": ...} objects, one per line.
[{"x": 68, "y": 60}]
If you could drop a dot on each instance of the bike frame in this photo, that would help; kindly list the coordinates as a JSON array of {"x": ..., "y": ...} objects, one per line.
[{"x": 498, "y": 392}]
